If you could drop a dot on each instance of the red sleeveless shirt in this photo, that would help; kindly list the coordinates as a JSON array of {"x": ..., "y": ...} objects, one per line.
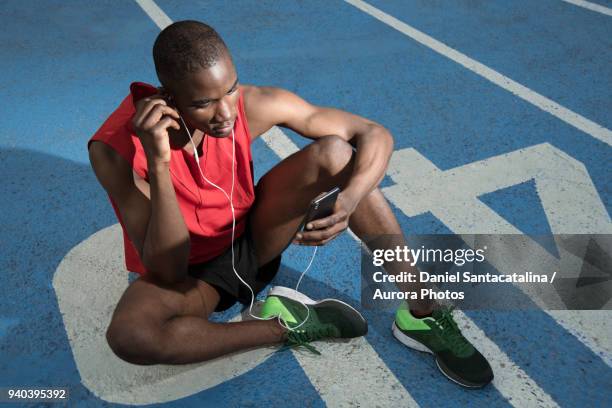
[{"x": 205, "y": 209}]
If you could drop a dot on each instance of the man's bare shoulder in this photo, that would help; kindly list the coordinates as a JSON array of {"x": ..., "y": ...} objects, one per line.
[
  {"x": 112, "y": 170},
  {"x": 253, "y": 93},
  {"x": 263, "y": 96},
  {"x": 267, "y": 106},
  {"x": 103, "y": 157},
  {"x": 253, "y": 96}
]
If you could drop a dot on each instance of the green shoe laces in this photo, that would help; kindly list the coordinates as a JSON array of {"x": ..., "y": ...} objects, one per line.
[
  {"x": 450, "y": 334},
  {"x": 302, "y": 338}
]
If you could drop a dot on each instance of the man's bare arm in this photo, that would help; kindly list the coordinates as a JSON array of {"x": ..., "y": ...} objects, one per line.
[
  {"x": 267, "y": 107},
  {"x": 150, "y": 212},
  {"x": 167, "y": 243}
]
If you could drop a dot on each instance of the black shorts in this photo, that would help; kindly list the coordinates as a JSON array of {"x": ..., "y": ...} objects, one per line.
[{"x": 218, "y": 272}]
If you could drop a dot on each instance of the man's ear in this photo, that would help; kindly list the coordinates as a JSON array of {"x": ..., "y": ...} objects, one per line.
[{"x": 167, "y": 97}]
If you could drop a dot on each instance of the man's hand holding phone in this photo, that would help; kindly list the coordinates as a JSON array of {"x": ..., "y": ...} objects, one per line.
[
  {"x": 321, "y": 230},
  {"x": 151, "y": 122}
]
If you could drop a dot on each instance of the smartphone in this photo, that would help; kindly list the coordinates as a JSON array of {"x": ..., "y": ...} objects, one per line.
[{"x": 321, "y": 207}]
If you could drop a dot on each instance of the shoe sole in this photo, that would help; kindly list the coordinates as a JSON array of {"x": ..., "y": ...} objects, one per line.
[
  {"x": 348, "y": 311},
  {"x": 413, "y": 344}
]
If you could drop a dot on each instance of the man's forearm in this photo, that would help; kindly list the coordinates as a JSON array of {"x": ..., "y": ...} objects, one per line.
[
  {"x": 374, "y": 148},
  {"x": 167, "y": 244}
]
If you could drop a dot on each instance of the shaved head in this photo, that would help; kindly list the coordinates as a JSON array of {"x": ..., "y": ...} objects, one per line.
[{"x": 186, "y": 47}]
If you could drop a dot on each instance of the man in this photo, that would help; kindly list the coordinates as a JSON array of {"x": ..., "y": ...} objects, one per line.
[{"x": 171, "y": 159}]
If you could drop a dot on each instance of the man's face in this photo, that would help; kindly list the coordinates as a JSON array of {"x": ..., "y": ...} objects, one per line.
[{"x": 208, "y": 99}]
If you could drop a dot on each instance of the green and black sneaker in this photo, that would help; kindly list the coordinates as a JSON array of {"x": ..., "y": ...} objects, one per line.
[
  {"x": 328, "y": 318},
  {"x": 456, "y": 357}
]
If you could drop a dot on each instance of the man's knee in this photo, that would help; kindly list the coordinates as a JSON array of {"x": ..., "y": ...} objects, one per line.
[
  {"x": 332, "y": 153},
  {"x": 134, "y": 342}
]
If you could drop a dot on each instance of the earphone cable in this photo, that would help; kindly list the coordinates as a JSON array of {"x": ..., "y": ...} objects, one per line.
[{"x": 230, "y": 199}]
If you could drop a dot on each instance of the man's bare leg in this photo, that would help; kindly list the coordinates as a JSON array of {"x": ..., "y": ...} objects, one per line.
[
  {"x": 286, "y": 191},
  {"x": 375, "y": 224},
  {"x": 157, "y": 324}
]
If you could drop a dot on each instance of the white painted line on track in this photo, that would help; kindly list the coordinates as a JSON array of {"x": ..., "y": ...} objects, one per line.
[
  {"x": 157, "y": 15},
  {"x": 510, "y": 379},
  {"x": 570, "y": 117},
  {"x": 591, "y": 6},
  {"x": 353, "y": 375}
]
